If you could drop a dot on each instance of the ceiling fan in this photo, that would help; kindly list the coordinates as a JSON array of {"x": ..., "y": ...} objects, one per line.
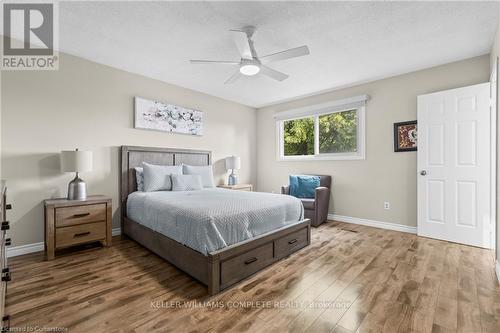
[{"x": 250, "y": 63}]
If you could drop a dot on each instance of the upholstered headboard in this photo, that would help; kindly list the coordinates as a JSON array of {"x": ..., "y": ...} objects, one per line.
[{"x": 133, "y": 156}]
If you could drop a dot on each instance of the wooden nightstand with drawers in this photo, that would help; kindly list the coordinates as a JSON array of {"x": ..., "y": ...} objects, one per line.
[{"x": 73, "y": 222}]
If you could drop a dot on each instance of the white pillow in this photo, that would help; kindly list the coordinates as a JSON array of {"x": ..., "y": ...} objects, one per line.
[
  {"x": 205, "y": 172},
  {"x": 186, "y": 182},
  {"x": 157, "y": 177},
  {"x": 139, "y": 177}
]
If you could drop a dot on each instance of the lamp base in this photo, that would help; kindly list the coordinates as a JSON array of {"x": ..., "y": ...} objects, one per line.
[
  {"x": 233, "y": 179},
  {"x": 77, "y": 189}
]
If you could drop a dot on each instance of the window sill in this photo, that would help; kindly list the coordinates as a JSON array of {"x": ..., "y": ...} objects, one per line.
[{"x": 321, "y": 158}]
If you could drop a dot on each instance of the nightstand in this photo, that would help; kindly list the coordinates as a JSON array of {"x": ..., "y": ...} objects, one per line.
[
  {"x": 73, "y": 222},
  {"x": 238, "y": 187}
]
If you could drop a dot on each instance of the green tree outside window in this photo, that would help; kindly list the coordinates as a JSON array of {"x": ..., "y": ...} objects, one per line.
[
  {"x": 299, "y": 137},
  {"x": 337, "y": 134}
]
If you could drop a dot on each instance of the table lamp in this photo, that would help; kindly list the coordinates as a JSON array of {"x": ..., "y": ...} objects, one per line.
[
  {"x": 76, "y": 161},
  {"x": 233, "y": 163}
]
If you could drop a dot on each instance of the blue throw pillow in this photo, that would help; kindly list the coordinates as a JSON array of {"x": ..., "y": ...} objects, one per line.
[
  {"x": 294, "y": 185},
  {"x": 307, "y": 186}
]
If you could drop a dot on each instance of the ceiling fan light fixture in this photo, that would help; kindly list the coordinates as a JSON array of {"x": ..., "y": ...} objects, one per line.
[
  {"x": 250, "y": 63},
  {"x": 249, "y": 69}
]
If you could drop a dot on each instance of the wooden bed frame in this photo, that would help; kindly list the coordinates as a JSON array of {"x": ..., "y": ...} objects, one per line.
[{"x": 220, "y": 269}]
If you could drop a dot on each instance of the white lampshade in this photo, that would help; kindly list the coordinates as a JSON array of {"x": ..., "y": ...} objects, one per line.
[
  {"x": 76, "y": 161},
  {"x": 233, "y": 162}
]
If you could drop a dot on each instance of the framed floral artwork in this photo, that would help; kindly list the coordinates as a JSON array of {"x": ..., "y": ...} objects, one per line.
[
  {"x": 405, "y": 136},
  {"x": 154, "y": 115}
]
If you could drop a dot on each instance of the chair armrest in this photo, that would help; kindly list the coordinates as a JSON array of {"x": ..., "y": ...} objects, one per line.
[
  {"x": 321, "y": 204},
  {"x": 285, "y": 189},
  {"x": 322, "y": 196}
]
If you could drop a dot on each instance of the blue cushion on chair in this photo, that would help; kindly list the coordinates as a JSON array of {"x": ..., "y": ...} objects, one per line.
[
  {"x": 294, "y": 185},
  {"x": 307, "y": 186}
]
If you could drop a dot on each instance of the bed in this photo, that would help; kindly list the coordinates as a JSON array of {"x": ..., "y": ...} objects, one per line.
[{"x": 217, "y": 236}]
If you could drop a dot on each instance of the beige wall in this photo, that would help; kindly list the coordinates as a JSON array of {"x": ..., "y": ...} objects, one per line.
[
  {"x": 494, "y": 54},
  {"x": 361, "y": 187},
  {"x": 90, "y": 106}
]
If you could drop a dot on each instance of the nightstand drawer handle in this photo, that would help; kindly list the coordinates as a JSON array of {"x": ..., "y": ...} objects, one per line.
[
  {"x": 251, "y": 260},
  {"x": 82, "y": 234},
  {"x": 81, "y": 215},
  {"x": 293, "y": 241},
  {"x": 5, "y": 225},
  {"x": 6, "y": 275}
]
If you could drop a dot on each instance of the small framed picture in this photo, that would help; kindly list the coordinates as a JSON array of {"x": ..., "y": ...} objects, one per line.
[{"x": 405, "y": 136}]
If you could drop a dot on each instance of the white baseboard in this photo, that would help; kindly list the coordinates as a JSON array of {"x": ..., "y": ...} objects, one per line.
[
  {"x": 373, "y": 223},
  {"x": 13, "y": 251},
  {"x": 497, "y": 270}
]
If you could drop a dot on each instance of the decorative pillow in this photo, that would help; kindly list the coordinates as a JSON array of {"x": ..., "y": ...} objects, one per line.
[
  {"x": 157, "y": 177},
  {"x": 205, "y": 172},
  {"x": 307, "y": 186},
  {"x": 186, "y": 182},
  {"x": 139, "y": 177},
  {"x": 294, "y": 184}
]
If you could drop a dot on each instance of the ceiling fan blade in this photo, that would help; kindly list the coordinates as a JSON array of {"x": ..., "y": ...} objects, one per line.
[
  {"x": 287, "y": 54},
  {"x": 234, "y": 77},
  {"x": 273, "y": 73},
  {"x": 221, "y": 62},
  {"x": 241, "y": 40}
]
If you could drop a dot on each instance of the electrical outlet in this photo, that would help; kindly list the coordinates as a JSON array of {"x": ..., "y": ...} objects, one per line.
[{"x": 387, "y": 205}]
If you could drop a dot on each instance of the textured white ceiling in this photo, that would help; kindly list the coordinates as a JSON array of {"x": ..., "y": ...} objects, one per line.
[{"x": 350, "y": 42}]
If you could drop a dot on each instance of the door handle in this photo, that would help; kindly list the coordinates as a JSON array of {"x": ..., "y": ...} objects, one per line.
[{"x": 423, "y": 173}]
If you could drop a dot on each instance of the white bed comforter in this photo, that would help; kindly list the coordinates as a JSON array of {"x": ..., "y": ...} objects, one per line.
[{"x": 210, "y": 219}]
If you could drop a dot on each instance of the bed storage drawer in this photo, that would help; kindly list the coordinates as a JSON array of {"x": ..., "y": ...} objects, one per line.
[
  {"x": 245, "y": 264},
  {"x": 290, "y": 243},
  {"x": 78, "y": 234}
]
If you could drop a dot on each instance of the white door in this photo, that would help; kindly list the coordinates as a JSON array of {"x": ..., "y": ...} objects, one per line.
[{"x": 454, "y": 163}]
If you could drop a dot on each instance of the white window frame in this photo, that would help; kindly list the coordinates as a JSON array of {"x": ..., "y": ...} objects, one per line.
[{"x": 356, "y": 103}]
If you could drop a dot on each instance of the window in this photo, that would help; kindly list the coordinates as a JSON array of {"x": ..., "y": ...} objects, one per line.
[
  {"x": 338, "y": 132},
  {"x": 334, "y": 132},
  {"x": 298, "y": 137}
]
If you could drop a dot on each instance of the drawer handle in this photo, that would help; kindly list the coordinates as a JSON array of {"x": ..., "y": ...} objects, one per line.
[
  {"x": 81, "y": 215},
  {"x": 293, "y": 241},
  {"x": 82, "y": 234},
  {"x": 251, "y": 260},
  {"x": 6, "y": 276}
]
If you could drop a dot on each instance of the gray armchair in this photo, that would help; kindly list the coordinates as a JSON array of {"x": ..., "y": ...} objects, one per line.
[{"x": 316, "y": 209}]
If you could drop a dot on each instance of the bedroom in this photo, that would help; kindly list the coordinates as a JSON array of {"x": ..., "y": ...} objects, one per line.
[{"x": 346, "y": 253}]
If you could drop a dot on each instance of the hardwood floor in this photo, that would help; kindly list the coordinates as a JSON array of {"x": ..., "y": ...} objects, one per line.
[{"x": 351, "y": 279}]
